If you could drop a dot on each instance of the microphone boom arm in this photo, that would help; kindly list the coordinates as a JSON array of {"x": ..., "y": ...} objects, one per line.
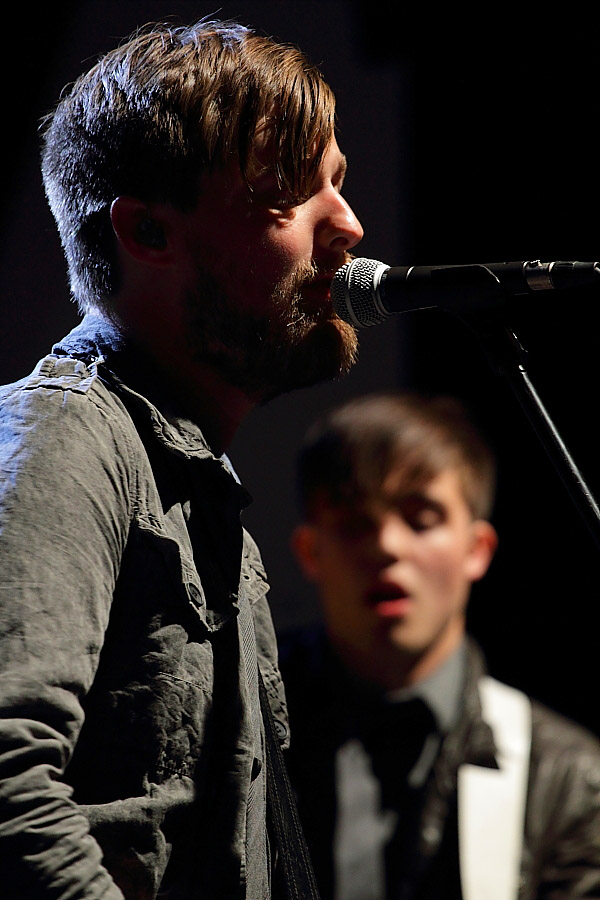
[{"x": 507, "y": 358}]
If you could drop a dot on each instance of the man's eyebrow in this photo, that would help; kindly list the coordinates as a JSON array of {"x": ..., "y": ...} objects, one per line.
[
  {"x": 342, "y": 168},
  {"x": 413, "y": 495},
  {"x": 418, "y": 500}
]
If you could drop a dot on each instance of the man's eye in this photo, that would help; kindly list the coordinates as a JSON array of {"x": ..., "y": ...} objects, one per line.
[
  {"x": 425, "y": 518},
  {"x": 280, "y": 204},
  {"x": 274, "y": 198},
  {"x": 285, "y": 202},
  {"x": 422, "y": 515},
  {"x": 289, "y": 201}
]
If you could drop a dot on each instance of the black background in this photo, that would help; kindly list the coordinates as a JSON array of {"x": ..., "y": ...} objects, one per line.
[{"x": 470, "y": 140}]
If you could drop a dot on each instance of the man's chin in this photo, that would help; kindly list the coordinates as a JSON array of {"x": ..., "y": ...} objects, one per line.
[
  {"x": 277, "y": 364},
  {"x": 327, "y": 352}
]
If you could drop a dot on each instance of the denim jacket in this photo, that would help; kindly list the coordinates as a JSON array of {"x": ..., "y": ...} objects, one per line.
[{"x": 125, "y": 748}]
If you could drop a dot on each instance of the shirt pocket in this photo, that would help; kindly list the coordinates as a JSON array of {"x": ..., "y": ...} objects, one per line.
[
  {"x": 149, "y": 711},
  {"x": 182, "y": 687}
]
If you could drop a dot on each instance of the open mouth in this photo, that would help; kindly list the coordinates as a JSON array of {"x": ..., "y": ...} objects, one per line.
[
  {"x": 389, "y": 600},
  {"x": 316, "y": 291},
  {"x": 315, "y": 300},
  {"x": 321, "y": 286}
]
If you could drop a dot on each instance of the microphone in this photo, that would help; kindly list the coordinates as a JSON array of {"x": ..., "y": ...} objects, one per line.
[{"x": 364, "y": 292}]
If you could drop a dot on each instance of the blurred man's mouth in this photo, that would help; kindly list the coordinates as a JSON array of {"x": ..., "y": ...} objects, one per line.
[{"x": 389, "y": 600}]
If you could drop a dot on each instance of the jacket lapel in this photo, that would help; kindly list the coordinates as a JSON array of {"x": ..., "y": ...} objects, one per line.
[{"x": 491, "y": 802}]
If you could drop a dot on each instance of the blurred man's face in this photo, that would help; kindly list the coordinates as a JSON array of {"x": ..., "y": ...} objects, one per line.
[{"x": 394, "y": 576}]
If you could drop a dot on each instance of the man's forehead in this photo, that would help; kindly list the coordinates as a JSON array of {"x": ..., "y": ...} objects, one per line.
[
  {"x": 226, "y": 180},
  {"x": 399, "y": 484},
  {"x": 397, "y": 488},
  {"x": 264, "y": 142},
  {"x": 334, "y": 158}
]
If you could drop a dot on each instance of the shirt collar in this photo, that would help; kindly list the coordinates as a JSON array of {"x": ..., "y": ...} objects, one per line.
[
  {"x": 97, "y": 339},
  {"x": 441, "y": 691}
]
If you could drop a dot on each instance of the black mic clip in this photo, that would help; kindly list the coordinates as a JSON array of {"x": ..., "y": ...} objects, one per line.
[{"x": 456, "y": 289}]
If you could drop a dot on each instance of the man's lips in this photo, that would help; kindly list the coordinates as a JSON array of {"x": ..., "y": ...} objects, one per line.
[
  {"x": 316, "y": 291},
  {"x": 321, "y": 284},
  {"x": 389, "y": 600},
  {"x": 316, "y": 294}
]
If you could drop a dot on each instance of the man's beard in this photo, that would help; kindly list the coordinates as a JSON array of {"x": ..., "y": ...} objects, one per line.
[{"x": 288, "y": 345}]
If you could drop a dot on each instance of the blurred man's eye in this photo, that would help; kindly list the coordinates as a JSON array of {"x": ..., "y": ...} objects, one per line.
[{"x": 422, "y": 514}]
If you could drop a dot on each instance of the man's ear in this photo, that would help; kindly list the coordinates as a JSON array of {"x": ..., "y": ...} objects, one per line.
[
  {"x": 483, "y": 547},
  {"x": 304, "y": 547},
  {"x": 140, "y": 232}
]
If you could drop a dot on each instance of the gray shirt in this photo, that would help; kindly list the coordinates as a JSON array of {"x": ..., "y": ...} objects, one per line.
[{"x": 129, "y": 736}]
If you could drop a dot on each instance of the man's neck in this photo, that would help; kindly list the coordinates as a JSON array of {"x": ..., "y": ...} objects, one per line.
[
  {"x": 182, "y": 387},
  {"x": 216, "y": 406},
  {"x": 441, "y": 689},
  {"x": 392, "y": 667}
]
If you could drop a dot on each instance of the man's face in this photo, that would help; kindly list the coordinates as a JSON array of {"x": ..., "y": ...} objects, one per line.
[
  {"x": 258, "y": 305},
  {"x": 395, "y": 575}
]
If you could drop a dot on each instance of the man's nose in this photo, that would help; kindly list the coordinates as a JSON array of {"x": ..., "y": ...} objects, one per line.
[
  {"x": 392, "y": 538},
  {"x": 340, "y": 229}
]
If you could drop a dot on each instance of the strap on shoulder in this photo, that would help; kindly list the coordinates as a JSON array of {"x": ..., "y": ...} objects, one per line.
[{"x": 293, "y": 873}]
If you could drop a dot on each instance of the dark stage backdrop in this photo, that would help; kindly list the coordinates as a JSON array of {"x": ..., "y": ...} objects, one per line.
[
  {"x": 468, "y": 142},
  {"x": 506, "y": 149}
]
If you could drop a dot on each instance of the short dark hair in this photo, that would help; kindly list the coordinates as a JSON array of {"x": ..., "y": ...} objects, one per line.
[
  {"x": 348, "y": 453},
  {"x": 152, "y": 116}
]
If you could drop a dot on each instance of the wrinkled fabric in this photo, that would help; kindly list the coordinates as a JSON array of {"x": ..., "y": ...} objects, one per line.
[
  {"x": 561, "y": 847},
  {"x": 126, "y": 750}
]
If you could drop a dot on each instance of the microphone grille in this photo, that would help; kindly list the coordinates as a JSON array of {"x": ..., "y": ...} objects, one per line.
[{"x": 354, "y": 292}]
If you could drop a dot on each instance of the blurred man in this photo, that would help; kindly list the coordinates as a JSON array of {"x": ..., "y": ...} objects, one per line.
[
  {"x": 418, "y": 776},
  {"x": 195, "y": 179}
]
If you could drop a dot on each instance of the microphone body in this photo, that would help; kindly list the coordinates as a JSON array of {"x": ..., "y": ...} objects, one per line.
[{"x": 365, "y": 291}]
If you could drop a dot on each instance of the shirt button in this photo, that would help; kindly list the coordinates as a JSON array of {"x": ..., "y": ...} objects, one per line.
[
  {"x": 281, "y": 730},
  {"x": 194, "y": 594}
]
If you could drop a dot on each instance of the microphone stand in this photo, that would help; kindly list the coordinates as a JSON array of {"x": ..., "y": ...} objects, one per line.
[{"x": 507, "y": 358}]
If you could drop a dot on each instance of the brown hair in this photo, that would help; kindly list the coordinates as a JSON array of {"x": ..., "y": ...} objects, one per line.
[
  {"x": 152, "y": 116},
  {"x": 349, "y": 453}
]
